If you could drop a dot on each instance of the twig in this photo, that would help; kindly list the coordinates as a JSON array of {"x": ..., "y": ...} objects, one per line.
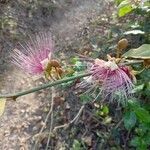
[
  {"x": 90, "y": 113},
  {"x": 126, "y": 139},
  {"x": 86, "y": 58},
  {"x": 119, "y": 123},
  {"x": 52, "y": 118},
  {"x": 44, "y": 86},
  {"x": 47, "y": 117},
  {"x": 72, "y": 121}
]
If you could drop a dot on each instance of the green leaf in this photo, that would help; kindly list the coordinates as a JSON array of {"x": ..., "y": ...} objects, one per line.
[
  {"x": 133, "y": 104},
  {"x": 85, "y": 98},
  {"x": 138, "y": 88},
  {"x": 143, "y": 52},
  {"x": 118, "y": 2},
  {"x": 143, "y": 129},
  {"x": 105, "y": 110},
  {"x": 74, "y": 60},
  {"x": 135, "y": 32},
  {"x": 129, "y": 120},
  {"x": 2, "y": 106},
  {"x": 135, "y": 141},
  {"x": 124, "y": 8},
  {"x": 79, "y": 66},
  {"x": 142, "y": 114},
  {"x": 139, "y": 143},
  {"x": 76, "y": 145}
]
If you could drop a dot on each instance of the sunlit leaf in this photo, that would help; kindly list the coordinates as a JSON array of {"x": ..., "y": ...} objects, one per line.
[
  {"x": 135, "y": 32},
  {"x": 107, "y": 120},
  {"x": 2, "y": 105},
  {"x": 105, "y": 110},
  {"x": 143, "y": 52},
  {"x": 124, "y": 8}
]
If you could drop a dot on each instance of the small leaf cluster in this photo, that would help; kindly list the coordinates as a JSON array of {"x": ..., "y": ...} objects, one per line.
[
  {"x": 127, "y": 6},
  {"x": 137, "y": 119}
]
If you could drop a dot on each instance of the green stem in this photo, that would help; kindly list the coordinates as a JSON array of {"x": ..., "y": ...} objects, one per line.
[{"x": 44, "y": 86}]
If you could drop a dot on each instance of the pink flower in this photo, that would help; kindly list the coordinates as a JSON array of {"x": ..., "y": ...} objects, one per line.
[
  {"x": 116, "y": 82},
  {"x": 34, "y": 54}
]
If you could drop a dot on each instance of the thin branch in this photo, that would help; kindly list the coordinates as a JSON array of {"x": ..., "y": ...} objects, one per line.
[
  {"x": 44, "y": 86},
  {"x": 45, "y": 122},
  {"x": 52, "y": 118},
  {"x": 66, "y": 125},
  {"x": 118, "y": 124}
]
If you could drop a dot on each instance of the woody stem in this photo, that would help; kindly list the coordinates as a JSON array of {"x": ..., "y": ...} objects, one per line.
[{"x": 44, "y": 86}]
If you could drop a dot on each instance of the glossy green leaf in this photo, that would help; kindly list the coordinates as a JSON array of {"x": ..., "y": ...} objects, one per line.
[
  {"x": 143, "y": 52},
  {"x": 129, "y": 120},
  {"x": 142, "y": 114}
]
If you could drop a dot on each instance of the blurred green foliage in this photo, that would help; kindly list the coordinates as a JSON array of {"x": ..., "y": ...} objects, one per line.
[{"x": 137, "y": 117}]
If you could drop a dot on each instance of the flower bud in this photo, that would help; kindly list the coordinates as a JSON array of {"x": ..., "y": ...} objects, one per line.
[
  {"x": 55, "y": 63},
  {"x": 147, "y": 63},
  {"x": 122, "y": 44}
]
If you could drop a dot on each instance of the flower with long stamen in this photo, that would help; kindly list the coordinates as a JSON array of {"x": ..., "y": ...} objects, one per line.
[
  {"x": 116, "y": 82},
  {"x": 36, "y": 53}
]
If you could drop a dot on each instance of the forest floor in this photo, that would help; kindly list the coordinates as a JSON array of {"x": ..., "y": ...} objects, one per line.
[{"x": 74, "y": 24}]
